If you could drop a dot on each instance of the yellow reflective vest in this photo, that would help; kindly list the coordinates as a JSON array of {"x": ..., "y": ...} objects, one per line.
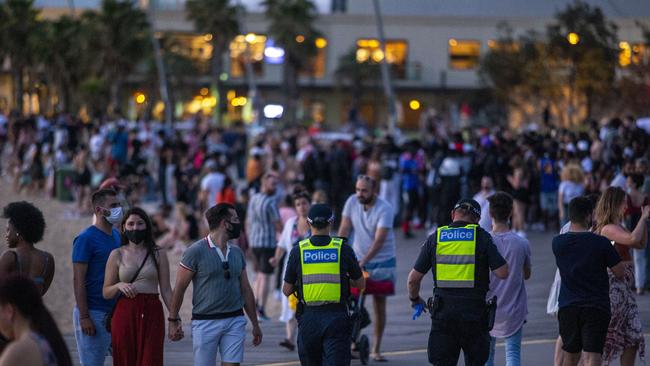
[
  {"x": 456, "y": 256},
  {"x": 321, "y": 272}
]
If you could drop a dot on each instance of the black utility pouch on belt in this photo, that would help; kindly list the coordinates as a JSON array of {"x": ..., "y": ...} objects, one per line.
[
  {"x": 491, "y": 312},
  {"x": 434, "y": 304}
]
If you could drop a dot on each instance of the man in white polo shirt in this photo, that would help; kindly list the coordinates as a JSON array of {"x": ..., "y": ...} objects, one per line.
[{"x": 371, "y": 220}]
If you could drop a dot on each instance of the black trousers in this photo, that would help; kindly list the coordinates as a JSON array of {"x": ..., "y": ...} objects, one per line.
[
  {"x": 459, "y": 325},
  {"x": 324, "y": 338}
]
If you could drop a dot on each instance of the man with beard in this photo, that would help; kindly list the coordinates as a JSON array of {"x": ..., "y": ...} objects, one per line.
[
  {"x": 262, "y": 223},
  {"x": 371, "y": 219},
  {"x": 217, "y": 271}
]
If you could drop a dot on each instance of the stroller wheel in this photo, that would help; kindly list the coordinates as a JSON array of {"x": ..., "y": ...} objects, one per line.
[{"x": 363, "y": 346}]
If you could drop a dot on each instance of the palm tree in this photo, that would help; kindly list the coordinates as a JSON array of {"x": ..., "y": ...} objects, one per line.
[
  {"x": 292, "y": 28},
  {"x": 63, "y": 59},
  {"x": 19, "y": 38},
  {"x": 4, "y": 19},
  {"x": 356, "y": 75},
  {"x": 219, "y": 19},
  {"x": 121, "y": 32}
]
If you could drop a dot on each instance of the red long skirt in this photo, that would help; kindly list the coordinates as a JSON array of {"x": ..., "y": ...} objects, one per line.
[{"x": 138, "y": 331}]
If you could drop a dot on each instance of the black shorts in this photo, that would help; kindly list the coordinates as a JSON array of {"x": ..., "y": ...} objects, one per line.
[
  {"x": 262, "y": 256},
  {"x": 583, "y": 329}
]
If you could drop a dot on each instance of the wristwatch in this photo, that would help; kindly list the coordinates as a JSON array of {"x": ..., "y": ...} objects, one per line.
[
  {"x": 174, "y": 319},
  {"x": 414, "y": 300}
]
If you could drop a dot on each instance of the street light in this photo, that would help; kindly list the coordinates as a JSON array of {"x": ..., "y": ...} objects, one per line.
[
  {"x": 573, "y": 38},
  {"x": 250, "y": 37}
]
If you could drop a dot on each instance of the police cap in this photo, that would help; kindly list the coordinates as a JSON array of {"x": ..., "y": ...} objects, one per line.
[
  {"x": 320, "y": 215},
  {"x": 469, "y": 205}
]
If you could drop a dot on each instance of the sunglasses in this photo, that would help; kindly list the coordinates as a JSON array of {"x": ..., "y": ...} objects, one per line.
[
  {"x": 366, "y": 178},
  {"x": 467, "y": 207},
  {"x": 226, "y": 270}
]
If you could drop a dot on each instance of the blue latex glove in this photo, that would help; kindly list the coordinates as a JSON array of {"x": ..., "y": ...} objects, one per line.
[{"x": 419, "y": 308}]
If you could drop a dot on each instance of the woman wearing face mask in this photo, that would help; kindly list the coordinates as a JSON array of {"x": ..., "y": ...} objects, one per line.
[
  {"x": 138, "y": 325},
  {"x": 35, "y": 338}
]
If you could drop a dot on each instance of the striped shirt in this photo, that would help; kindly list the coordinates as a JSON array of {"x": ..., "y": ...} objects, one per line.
[{"x": 262, "y": 214}]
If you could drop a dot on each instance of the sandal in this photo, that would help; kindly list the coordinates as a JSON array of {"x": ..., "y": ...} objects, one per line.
[
  {"x": 288, "y": 345},
  {"x": 378, "y": 358}
]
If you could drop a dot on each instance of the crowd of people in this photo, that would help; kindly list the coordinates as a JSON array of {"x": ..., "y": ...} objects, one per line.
[{"x": 225, "y": 197}]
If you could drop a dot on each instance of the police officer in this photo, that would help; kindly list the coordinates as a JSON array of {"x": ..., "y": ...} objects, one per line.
[
  {"x": 321, "y": 269},
  {"x": 460, "y": 257}
]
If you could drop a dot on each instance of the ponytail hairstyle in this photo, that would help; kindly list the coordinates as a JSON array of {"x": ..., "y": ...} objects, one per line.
[{"x": 22, "y": 293}]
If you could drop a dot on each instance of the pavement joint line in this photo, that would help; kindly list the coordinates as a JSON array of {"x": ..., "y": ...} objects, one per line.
[
  {"x": 419, "y": 350},
  {"x": 423, "y": 350}
]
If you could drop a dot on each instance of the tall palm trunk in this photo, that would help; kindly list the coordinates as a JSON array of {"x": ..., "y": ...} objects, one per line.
[
  {"x": 18, "y": 87},
  {"x": 216, "y": 69},
  {"x": 290, "y": 86},
  {"x": 114, "y": 94}
]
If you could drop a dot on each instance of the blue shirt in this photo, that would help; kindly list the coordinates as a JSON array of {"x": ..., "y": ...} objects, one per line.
[
  {"x": 548, "y": 177},
  {"x": 409, "y": 167},
  {"x": 93, "y": 247},
  {"x": 583, "y": 259},
  {"x": 119, "y": 148}
]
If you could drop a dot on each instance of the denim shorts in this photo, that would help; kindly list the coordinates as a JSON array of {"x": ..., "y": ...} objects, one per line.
[
  {"x": 224, "y": 335},
  {"x": 92, "y": 349}
]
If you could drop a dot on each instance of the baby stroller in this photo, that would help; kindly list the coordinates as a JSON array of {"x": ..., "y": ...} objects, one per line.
[{"x": 360, "y": 319}]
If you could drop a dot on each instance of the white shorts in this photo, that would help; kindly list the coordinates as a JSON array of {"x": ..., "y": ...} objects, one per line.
[{"x": 224, "y": 335}]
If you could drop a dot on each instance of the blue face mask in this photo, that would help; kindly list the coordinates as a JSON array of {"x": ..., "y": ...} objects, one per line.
[{"x": 115, "y": 216}]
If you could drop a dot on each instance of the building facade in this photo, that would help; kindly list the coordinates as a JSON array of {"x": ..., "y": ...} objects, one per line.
[{"x": 433, "y": 49}]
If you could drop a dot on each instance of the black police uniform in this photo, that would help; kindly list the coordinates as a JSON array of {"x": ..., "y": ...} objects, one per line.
[
  {"x": 460, "y": 319},
  {"x": 324, "y": 332}
]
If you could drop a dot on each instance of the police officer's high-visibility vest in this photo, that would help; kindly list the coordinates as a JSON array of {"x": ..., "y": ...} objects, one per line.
[
  {"x": 321, "y": 272},
  {"x": 456, "y": 256}
]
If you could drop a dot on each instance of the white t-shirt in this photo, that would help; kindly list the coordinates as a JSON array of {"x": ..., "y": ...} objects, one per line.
[
  {"x": 569, "y": 190},
  {"x": 366, "y": 223},
  {"x": 213, "y": 183},
  {"x": 486, "y": 220},
  {"x": 96, "y": 146}
]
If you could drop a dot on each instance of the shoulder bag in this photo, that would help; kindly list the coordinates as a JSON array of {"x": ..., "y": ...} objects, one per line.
[{"x": 108, "y": 318}]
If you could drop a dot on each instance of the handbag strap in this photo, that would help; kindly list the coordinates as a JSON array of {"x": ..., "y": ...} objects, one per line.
[{"x": 140, "y": 268}]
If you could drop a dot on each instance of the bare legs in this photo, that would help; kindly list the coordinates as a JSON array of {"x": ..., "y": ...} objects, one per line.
[
  {"x": 379, "y": 303},
  {"x": 628, "y": 357},
  {"x": 261, "y": 289}
]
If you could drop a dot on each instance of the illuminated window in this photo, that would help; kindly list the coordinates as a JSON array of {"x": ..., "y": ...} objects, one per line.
[
  {"x": 636, "y": 54},
  {"x": 256, "y": 44},
  {"x": 464, "y": 55},
  {"x": 502, "y": 46},
  {"x": 316, "y": 66},
  {"x": 369, "y": 50},
  {"x": 412, "y": 110},
  {"x": 195, "y": 47}
]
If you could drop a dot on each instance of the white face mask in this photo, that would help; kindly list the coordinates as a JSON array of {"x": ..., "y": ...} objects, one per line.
[{"x": 115, "y": 216}]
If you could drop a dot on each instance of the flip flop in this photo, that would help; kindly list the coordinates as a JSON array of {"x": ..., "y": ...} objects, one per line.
[{"x": 379, "y": 358}]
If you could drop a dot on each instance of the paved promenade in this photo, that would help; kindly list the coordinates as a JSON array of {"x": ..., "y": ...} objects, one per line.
[{"x": 405, "y": 340}]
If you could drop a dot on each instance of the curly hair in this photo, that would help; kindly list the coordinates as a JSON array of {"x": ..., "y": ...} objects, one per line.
[{"x": 27, "y": 219}]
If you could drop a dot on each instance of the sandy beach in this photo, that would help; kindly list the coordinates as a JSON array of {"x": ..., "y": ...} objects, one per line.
[{"x": 62, "y": 227}]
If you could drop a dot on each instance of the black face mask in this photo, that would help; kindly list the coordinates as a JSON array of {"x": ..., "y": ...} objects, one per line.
[
  {"x": 135, "y": 236},
  {"x": 234, "y": 231}
]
